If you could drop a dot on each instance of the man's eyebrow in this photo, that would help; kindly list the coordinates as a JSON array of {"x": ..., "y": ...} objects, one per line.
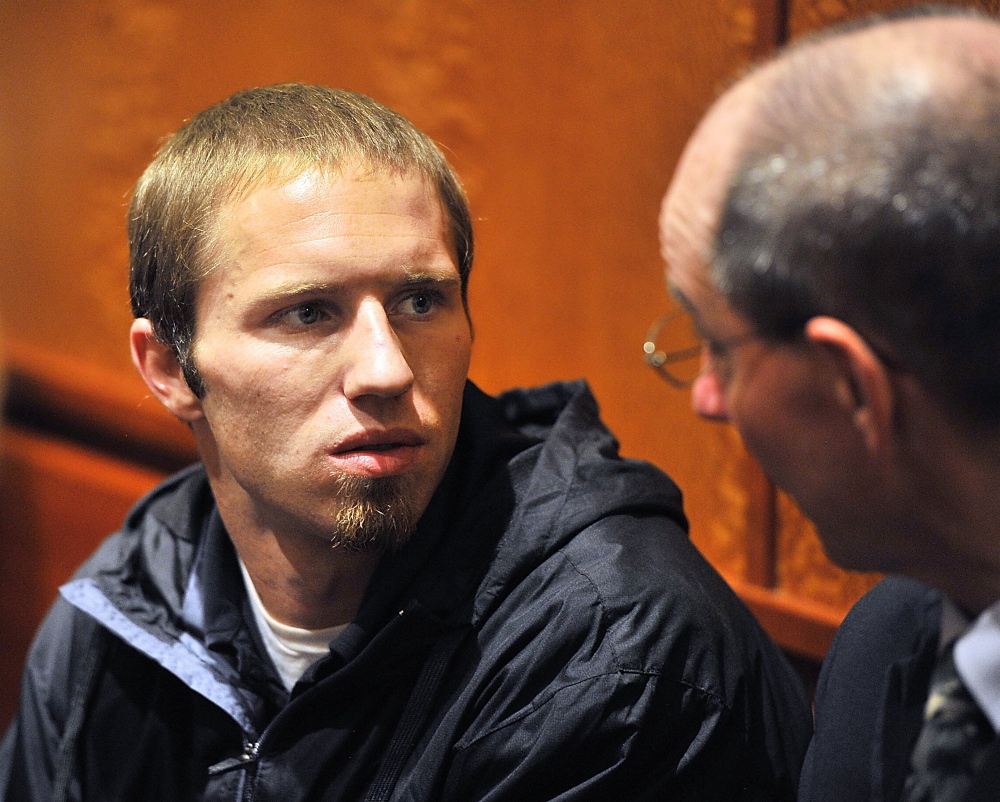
[
  {"x": 689, "y": 308},
  {"x": 296, "y": 289},
  {"x": 681, "y": 299},
  {"x": 438, "y": 277},
  {"x": 293, "y": 289}
]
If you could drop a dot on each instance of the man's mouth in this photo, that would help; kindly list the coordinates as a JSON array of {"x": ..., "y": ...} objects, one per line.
[{"x": 381, "y": 453}]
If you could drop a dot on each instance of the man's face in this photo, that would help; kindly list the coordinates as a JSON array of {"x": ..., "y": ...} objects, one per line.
[
  {"x": 334, "y": 347},
  {"x": 783, "y": 398},
  {"x": 743, "y": 379},
  {"x": 689, "y": 222}
]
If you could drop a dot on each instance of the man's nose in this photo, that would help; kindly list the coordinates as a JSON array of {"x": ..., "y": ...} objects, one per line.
[
  {"x": 708, "y": 397},
  {"x": 376, "y": 364}
]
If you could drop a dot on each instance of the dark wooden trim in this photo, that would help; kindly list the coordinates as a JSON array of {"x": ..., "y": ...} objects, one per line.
[
  {"x": 801, "y": 626},
  {"x": 762, "y": 549},
  {"x": 784, "y": 14},
  {"x": 92, "y": 406},
  {"x": 771, "y": 28}
]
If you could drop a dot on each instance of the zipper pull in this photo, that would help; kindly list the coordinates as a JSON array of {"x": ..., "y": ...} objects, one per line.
[{"x": 248, "y": 757}]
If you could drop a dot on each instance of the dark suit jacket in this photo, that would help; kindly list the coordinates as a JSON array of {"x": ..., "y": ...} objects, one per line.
[{"x": 870, "y": 699}]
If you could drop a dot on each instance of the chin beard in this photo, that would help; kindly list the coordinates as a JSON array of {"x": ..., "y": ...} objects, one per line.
[{"x": 375, "y": 514}]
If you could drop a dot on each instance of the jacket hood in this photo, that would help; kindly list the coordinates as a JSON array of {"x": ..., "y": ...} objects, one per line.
[
  {"x": 571, "y": 478},
  {"x": 532, "y": 468}
]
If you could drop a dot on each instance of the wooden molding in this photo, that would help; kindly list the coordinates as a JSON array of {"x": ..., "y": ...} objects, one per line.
[
  {"x": 796, "y": 624},
  {"x": 771, "y": 29},
  {"x": 94, "y": 406}
]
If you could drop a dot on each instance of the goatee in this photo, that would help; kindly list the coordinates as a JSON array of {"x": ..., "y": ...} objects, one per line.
[{"x": 375, "y": 513}]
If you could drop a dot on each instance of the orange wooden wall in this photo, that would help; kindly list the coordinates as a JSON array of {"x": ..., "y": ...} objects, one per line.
[{"x": 564, "y": 119}]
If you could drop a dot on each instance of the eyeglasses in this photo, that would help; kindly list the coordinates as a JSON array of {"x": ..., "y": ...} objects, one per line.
[
  {"x": 674, "y": 340},
  {"x": 681, "y": 349}
]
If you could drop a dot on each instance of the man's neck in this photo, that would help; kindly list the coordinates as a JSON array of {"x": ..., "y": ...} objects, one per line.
[
  {"x": 957, "y": 483},
  {"x": 303, "y": 581}
]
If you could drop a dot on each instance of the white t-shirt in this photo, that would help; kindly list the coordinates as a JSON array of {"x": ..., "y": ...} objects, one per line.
[{"x": 291, "y": 649}]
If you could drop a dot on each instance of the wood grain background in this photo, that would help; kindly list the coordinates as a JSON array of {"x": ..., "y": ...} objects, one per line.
[{"x": 564, "y": 120}]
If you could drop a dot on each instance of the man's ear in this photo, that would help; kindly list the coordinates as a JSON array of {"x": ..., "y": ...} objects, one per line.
[
  {"x": 161, "y": 370},
  {"x": 863, "y": 384}
]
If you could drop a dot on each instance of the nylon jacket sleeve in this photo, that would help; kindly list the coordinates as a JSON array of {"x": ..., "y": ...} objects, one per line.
[
  {"x": 625, "y": 668},
  {"x": 622, "y": 736},
  {"x": 29, "y": 750}
]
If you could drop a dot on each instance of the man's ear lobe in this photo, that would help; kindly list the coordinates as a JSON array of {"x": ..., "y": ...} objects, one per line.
[
  {"x": 863, "y": 383},
  {"x": 161, "y": 370}
]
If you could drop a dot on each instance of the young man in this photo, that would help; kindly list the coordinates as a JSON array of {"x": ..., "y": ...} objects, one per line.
[
  {"x": 381, "y": 583},
  {"x": 834, "y": 230}
]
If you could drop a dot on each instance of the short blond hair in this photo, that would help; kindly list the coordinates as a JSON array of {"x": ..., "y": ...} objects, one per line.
[{"x": 267, "y": 134}]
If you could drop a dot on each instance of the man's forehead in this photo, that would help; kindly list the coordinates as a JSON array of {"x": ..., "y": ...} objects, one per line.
[
  {"x": 692, "y": 207},
  {"x": 348, "y": 178},
  {"x": 317, "y": 195},
  {"x": 294, "y": 219}
]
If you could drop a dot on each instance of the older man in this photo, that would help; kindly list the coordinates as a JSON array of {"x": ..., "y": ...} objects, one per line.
[
  {"x": 834, "y": 231},
  {"x": 381, "y": 583}
]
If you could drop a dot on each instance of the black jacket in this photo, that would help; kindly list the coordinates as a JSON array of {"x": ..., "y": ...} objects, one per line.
[
  {"x": 548, "y": 633},
  {"x": 870, "y": 698}
]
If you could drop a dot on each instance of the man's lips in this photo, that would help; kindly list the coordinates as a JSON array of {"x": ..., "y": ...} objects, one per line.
[
  {"x": 378, "y": 453},
  {"x": 378, "y": 440}
]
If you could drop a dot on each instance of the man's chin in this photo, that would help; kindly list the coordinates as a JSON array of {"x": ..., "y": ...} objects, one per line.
[{"x": 374, "y": 513}]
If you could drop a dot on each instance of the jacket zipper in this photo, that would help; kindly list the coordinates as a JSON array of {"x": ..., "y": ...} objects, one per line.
[
  {"x": 247, "y": 758},
  {"x": 245, "y": 761},
  {"x": 250, "y": 772}
]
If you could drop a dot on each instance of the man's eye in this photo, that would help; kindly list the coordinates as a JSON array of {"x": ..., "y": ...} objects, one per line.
[
  {"x": 716, "y": 348},
  {"x": 420, "y": 303},
  {"x": 306, "y": 314}
]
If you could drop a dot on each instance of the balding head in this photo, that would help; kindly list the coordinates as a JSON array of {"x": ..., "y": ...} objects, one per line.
[
  {"x": 690, "y": 214},
  {"x": 867, "y": 188},
  {"x": 833, "y": 228}
]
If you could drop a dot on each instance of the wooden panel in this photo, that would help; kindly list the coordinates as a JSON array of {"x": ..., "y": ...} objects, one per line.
[
  {"x": 569, "y": 240},
  {"x": 799, "y": 626},
  {"x": 803, "y": 569},
  {"x": 564, "y": 120},
  {"x": 93, "y": 405},
  {"x": 58, "y": 501}
]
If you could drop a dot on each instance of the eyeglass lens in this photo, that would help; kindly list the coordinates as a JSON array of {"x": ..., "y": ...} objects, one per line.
[{"x": 677, "y": 347}]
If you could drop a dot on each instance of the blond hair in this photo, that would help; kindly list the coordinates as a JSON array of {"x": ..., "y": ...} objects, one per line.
[{"x": 266, "y": 134}]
